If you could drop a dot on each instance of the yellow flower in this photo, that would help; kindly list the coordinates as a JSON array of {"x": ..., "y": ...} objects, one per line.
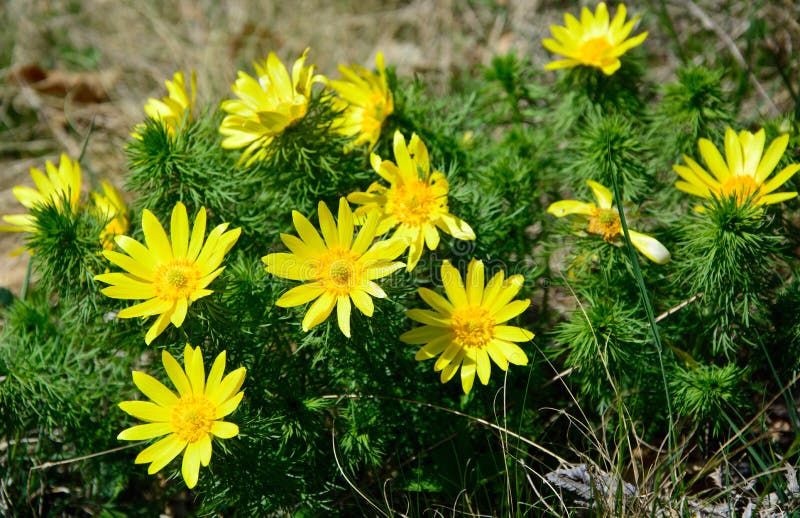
[
  {"x": 172, "y": 109},
  {"x": 110, "y": 207},
  {"x": 415, "y": 201},
  {"x": 592, "y": 41},
  {"x": 742, "y": 174},
  {"x": 466, "y": 328},
  {"x": 59, "y": 186},
  {"x": 188, "y": 419},
  {"x": 339, "y": 268},
  {"x": 170, "y": 272},
  {"x": 603, "y": 220},
  {"x": 267, "y": 105},
  {"x": 366, "y": 102}
]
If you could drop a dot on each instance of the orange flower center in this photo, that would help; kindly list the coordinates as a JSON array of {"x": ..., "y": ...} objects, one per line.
[
  {"x": 339, "y": 271},
  {"x": 192, "y": 417},
  {"x": 176, "y": 279},
  {"x": 593, "y": 51},
  {"x": 472, "y": 326},
  {"x": 741, "y": 187},
  {"x": 605, "y": 222},
  {"x": 412, "y": 204}
]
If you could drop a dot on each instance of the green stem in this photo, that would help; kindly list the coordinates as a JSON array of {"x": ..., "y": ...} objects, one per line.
[
  {"x": 26, "y": 283},
  {"x": 637, "y": 271}
]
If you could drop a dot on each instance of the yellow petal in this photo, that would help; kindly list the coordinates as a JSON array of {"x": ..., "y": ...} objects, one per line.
[
  {"x": 650, "y": 247},
  {"x": 190, "y": 468},
  {"x": 319, "y": 310},
  {"x": 484, "y": 367},
  {"x": 300, "y": 295},
  {"x": 428, "y": 317},
  {"x": 154, "y": 389},
  {"x": 179, "y": 231},
  {"x": 432, "y": 348},
  {"x": 436, "y": 301},
  {"x": 362, "y": 301},
  {"x": 713, "y": 159},
  {"x": 143, "y": 432},
  {"x": 601, "y": 194},
  {"x": 146, "y": 411},
  {"x": 453, "y": 285},
  {"x": 198, "y": 234},
  {"x": 328, "y": 226},
  {"x": 511, "y": 310},
  {"x": 195, "y": 370},
  {"x": 512, "y": 333},
  {"x": 176, "y": 373},
  {"x": 771, "y": 158},
  {"x": 228, "y": 406},
  {"x": 475, "y": 282},
  {"x": 566, "y": 207},
  {"x": 162, "y": 452},
  {"x": 290, "y": 266},
  {"x": 156, "y": 237},
  {"x": 468, "y": 368},
  {"x": 343, "y": 314},
  {"x": 424, "y": 334},
  {"x": 224, "y": 430},
  {"x": 307, "y": 232}
]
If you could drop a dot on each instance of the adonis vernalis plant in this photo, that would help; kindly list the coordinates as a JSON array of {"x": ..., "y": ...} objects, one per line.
[
  {"x": 593, "y": 41},
  {"x": 170, "y": 272},
  {"x": 188, "y": 419},
  {"x": 365, "y": 100},
  {"x": 62, "y": 184},
  {"x": 337, "y": 269},
  {"x": 267, "y": 104},
  {"x": 467, "y": 329},
  {"x": 175, "y": 108},
  {"x": 602, "y": 219},
  {"x": 742, "y": 174},
  {"x": 415, "y": 201}
]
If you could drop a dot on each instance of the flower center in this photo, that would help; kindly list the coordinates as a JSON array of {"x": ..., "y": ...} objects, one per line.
[
  {"x": 740, "y": 187},
  {"x": 412, "y": 204},
  {"x": 339, "y": 271},
  {"x": 176, "y": 279},
  {"x": 593, "y": 51},
  {"x": 192, "y": 417},
  {"x": 472, "y": 326},
  {"x": 605, "y": 222}
]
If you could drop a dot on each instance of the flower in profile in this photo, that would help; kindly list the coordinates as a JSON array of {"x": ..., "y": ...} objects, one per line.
[
  {"x": 189, "y": 418},
  {"x": 415, "y": 201},
  {"x": 593, "y": 41},
  {"x": 336, "y": 268},
  {"x": 602, "y": 219},
  {"x": 467, "y": 328},
  {"x": 742, "y": 174},
  {"x": 169, "y": 272},
  {"x": 173, "y": 109},
  {"x": 266, "y": 105},
  {"x": 365, "y": 101},
  {"x": 110, "y": 207},
  {"x": 61, "y": 188}
]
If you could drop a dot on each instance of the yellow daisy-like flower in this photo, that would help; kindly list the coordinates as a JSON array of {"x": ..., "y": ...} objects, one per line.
[
  {"x": 603, "y": 220},
  {"x": 111, "y": 207},
  {"x": 173, "y": 109},
  {"x": 593, "y": 41},
  {"x": 415, "y": 201},
  {"x": 267, "y": 105},
  {"x": 467, "y": 328},
  {"x": 60, "y": 185},
  {"x": 742, "y": 174},
  {"x": 188, "y": 419},
  {"x": 338, "y": 269},
  {"x": 365, "y": 101},
  {"x": 170, "y": 272}
]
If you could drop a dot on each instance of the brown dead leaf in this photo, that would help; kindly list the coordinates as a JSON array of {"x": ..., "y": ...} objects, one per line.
[{"x": 81, "y": 87}]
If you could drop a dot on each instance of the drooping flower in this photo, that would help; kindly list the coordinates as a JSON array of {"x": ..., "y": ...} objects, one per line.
[
  {"x": 176, "y": 107},
  {"x": 415, "y": 201},
  {"x": 593, "y": 41},
  {"x": 742, "y": 174},
  {"x": 365, "y": 101},
  {"x": 467, "y": 328},
  {"x": 110, "y": 207},
  {"x": 602, "y": 219},
  {"x": 169, "y": 272},
  {"x": 266, "y": 105},
  {"x": 338, "y": 269},
  {"x": 189, "y": 418},
  {"x": 59, "y": 186}
]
